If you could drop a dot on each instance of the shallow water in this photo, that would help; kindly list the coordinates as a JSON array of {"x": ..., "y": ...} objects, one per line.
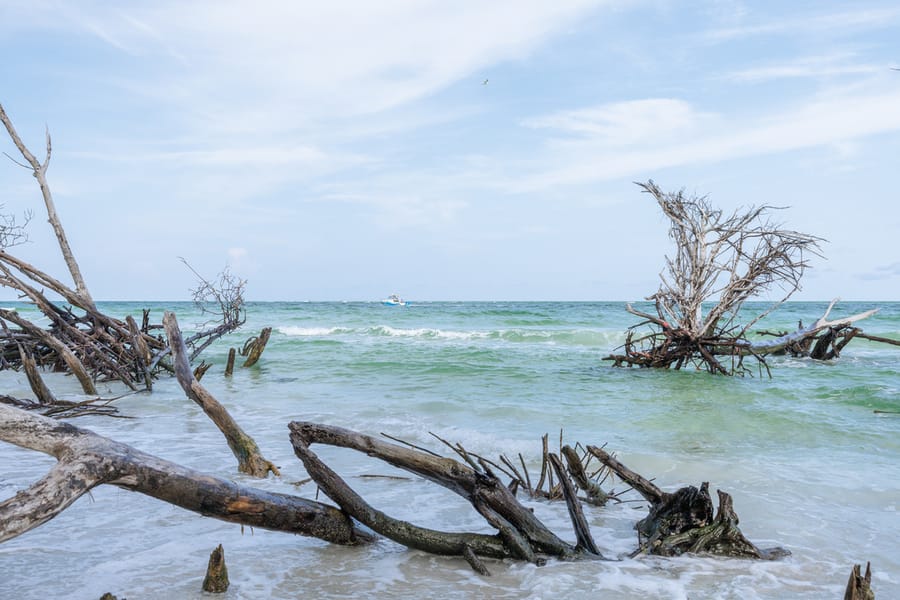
[{"x": 810, "y": 465}]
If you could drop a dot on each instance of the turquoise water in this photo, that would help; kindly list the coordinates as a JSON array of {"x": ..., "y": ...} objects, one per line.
[{"x": 809, "y": 463}]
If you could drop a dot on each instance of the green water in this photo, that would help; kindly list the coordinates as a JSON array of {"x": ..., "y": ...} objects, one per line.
[{"x": 809, "y": 463}]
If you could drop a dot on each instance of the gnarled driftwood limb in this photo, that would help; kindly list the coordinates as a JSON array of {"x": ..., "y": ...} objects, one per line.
[
  {"x": 520, "y": 534},
  {"x": 87, "y": 460},
  {"x": 244, "y": 448}
]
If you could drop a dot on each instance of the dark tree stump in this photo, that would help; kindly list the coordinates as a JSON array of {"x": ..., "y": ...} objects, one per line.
[
  {"x": 858, "y": 587},
  {"x": 229, "y": 366},
  {"x": 253, "y": 348},
  {"x": 216, "y": 580}
]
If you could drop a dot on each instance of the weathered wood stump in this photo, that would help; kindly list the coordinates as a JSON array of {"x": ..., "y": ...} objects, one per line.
[
  {"x": 253, "y": 348},
  {"x": 229, "y": 366},
  {"x": 216, "y": 580},
  {"x": 859, "y": 587}
]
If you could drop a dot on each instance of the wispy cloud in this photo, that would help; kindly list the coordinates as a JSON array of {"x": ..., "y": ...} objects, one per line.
[
  {"x": 826, "y": 121},
  {"x": 625, "y": 123},
  {"x": 844, "y": 22},
  {"x": 831, "y": 65},
  {"x": 308, "y": 60}
]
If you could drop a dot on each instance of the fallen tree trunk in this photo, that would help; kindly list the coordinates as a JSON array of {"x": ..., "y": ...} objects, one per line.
[
  {"x": 87, "y": 460},
  {"x": 678, "y": 522},
  {"x": 244, "y": 448}
]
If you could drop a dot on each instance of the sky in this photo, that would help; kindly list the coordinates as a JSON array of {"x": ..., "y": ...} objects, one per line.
[{"x": 464, "y": 150}]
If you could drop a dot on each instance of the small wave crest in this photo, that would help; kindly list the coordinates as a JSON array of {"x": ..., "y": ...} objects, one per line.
[
  {"x": 572, "y": 337},
  {"x": 293, "y": 331}
]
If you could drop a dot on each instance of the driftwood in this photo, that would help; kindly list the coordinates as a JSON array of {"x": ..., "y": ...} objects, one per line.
[
  {"x": 859, "y": 587},
  {"x": 73, "y": 363},
  {"x": 720, "y": 262},
  {"x": 44, "y": 396},
  {"x": 253, "y": 347},
  {"x": 66, "y": 409},
  {"x": 86, "y": 460},
  {"x": 81, "y": 340},
  {"x": 201, "y": 369},
  {"x": 678, "y": 523},
  {"x": 672, "y": 348},
  {"x": 39, "y": 170},
  {"x": 250, "y": 459},
  {"x": 229, "y": 365},
  {"x": 803, "y": 333},
  {"x": 216, "y": 580},
  {"x": 520, "y": 534},
  {"x": 683, "y": 522}
]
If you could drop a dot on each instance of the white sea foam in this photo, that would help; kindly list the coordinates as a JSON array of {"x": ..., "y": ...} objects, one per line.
[
  {"x": 577, "y": 337},
  {"x": 294, "y": 331}
]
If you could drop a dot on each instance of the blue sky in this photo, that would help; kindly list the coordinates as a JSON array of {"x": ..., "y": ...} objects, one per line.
[{"x": 344, "y": 150}]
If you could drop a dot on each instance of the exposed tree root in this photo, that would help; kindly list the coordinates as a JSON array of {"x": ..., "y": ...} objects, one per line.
[{"x": 682, "y": 521}]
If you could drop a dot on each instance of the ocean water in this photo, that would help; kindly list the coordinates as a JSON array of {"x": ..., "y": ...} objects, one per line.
[{"x": 810, "y": 464}]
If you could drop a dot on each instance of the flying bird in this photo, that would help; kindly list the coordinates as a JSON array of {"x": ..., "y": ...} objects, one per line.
[
  {"x": 484, "y": 82},
  {"x": 892, "y": 69}
]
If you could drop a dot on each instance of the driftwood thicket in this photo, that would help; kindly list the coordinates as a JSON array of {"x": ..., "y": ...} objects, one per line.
[{"x": 92, "y": 347}]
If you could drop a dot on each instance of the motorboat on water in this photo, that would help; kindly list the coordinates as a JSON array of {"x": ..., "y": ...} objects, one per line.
[{"x": 394, "y": 300}]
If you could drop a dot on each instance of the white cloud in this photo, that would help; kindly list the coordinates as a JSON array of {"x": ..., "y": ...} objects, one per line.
[
  {"x": 843, "y": 22},
  {"x": 828, "y": 121},
  {"x": 277, "y": 63},
  {"x": 832, "y": 65},
  {"x": 625, "y": 123}
]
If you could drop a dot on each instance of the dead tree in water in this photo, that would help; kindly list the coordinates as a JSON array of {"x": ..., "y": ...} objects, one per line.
[
  {"x": 720, "y": 261},
  {"x": 81, "y": 340}
]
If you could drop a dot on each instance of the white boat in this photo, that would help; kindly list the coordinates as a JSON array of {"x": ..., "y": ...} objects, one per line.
[{"x": 394, "y": 300}]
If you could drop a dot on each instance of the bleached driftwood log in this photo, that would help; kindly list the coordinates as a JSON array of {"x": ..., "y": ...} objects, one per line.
[
  {"x": 87, "y": 460},
  {"x": 777, "y": 344}
]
